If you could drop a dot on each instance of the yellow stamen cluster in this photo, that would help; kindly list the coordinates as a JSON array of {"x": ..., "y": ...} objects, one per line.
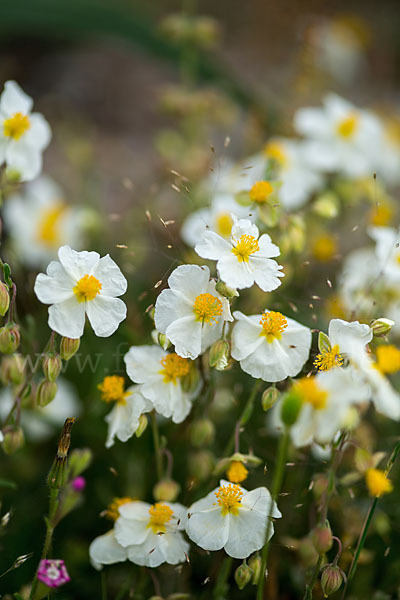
[
  {"x": 112, "y": 511},
  {"x": 160, "y": 514},
  {"x": 229, "y": 498},
  {"x": 310, "y": 392},
  {"x": 49, "y": 226},
  {"x": 328, "y": 359},
  {"x": 276, "y": 152},
  {"x": 381, "y": 214},
  {"x": 16, "y": 126},
  {"x": 174, "y": 367},
  {"x": 324, "y": 248},
  {"x": 388, "y": 359},
  {"x": 260, "y": 192},
  {"x": 273, "y": 324},
  {"x": 87, "y": 288},
  {"x": 224, "y": 224},
  {"x": 207, "y": 308},
  {"x": 347, "y": 127},
  {"x": 237, "y": 472},
  {"x": 245, "y": 247},
  {"x": 377, "y": 483},
  {"x": 112, "y": 389}
]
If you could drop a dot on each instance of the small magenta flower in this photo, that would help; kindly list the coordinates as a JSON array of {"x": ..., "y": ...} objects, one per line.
[
  {"x": 53, "y": 572},
  {"x": 78, "y": 484}
]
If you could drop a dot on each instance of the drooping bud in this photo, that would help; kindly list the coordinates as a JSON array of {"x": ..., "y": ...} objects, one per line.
[
  {"x": 202, "y": 433},
  {"x": 16, "y": 369},
  {"x": 243, "y": 575},
  {"x": 381, "y": 327},
  {"x": 9, "y": 338},
  {"x": 69, "y": 347},
  {"x": 226, "y": 290},
  {"x": 269, "y": 397},
  {"x": 290, "y": 408},
  {"x": 163, "y": 341},
  {"x": 13, "y": 440},
  {"x": 143, "y": 422},
  {"x": 331, "y": 579},
  {"x": 4, "y": 299},
  {"x": 51, "y": 365},
  {"x": 321, "y": 537},
  {"x": 46, "y": 392},
  {"x": 255, "y": 566},
  {"x": 219, "y": 355},
  {"x": 166, "y": 490}
]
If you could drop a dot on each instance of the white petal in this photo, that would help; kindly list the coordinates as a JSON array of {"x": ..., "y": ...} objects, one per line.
[
  {"x": 24, "y": 159},
  {"x": 105, "y": 550},
  {"x": 68, "y": 318},
  {"x": 77, "y": 264},
  {"x": 212, "y": 246},
  {"x": 13, "y": 99},
  {"x": 170, "y": 306},
  {"x": 247, "y": 532},
  {"x": 51, "y": 290},
  {"x": 208, "y": 529},
  {"x": 246, "y": 335},
  {"x": 143, "y": 363},
  {"x": 148, "y": 553},
  {"x": 185, "y": 334},
  {"x": 350, "y": 337},
  {"x": 105, "y": 314},
  {"x": 38, "y": 135},
  {"x": 266, "y": 273},
  {"x": 260, "y": 500},
  {"x": 113, "y": 283},
  {"x": 129, "y": 532},
  {"x": 189, "y": 280},
  {"x": 174, "y": 548},
  {"x": 234, "y": 273}
]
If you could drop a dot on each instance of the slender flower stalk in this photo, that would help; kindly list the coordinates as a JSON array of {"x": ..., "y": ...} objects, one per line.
[
  {"x": 157, "y": 446},
  {"x": 223, "y": 575},
  {"x": 244, "y": 417}
]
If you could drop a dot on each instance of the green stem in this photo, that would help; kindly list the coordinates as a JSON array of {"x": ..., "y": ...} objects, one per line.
[
  {"x": 244, "y": 417},
  {"x": 310, "y": 586},
  {"x": 103, "y": 585},
  {"x": 157, "y": 446},
  {"x": 276, "y": 488},
  {"x": 220, "y": 586}
]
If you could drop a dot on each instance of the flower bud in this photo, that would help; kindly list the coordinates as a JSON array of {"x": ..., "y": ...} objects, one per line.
[
  {"x": 166, "y": 490},
  {"x": 4, "y": 299},
  {"x": 201, "y": 464},
  {"x": 69, "y": 347},
  {"x": 381, "y": 327},
  {"x": 331, "y": 579},
  {"x": 190, "y": 381},
  {"x": 163, "y": 341},
  {"x": 326, "y": 205},
  {"x": 46, "y": 392},
  {"x": 202, "y": 433},
  {"x": 13, "y": 440},
  {"x": 219, "y": 355},
  {"x": 307, "y": 553},
  {"x": 16, "y": 369},
  {"x": 320, "y": 486},
  {"x": 9, "y": 338},
  {"x": 143, "y": 422},
  {"x": 51, "y": 365},
  {"x": 321, "y": 537},
  {"x": 255, "y": 566},
  {"x": 79, "y": 460},
  {"x": 226, "y": 290},
  {"x": 290, "y": 409},
  {"x": 269, "y": 397},
  {"x": 243, "y": 575}
]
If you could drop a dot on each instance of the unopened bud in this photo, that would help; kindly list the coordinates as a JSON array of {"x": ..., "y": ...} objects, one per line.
[
  {"x": 320, "y": 485},
  {"x": 326, "y": 205},
  {"x": 4, "y": 299},
  {"x": 143, "y": 422},
  {"x": 190, "y": 382},
  {"x": 202, "y": 433},
  {"x": 321, "y": 537},
  {"x": 307, "y": 553},
  {"x": 381, "y": 327},
  {"x": 331, "y": 579},
  {"x": 291, "y": 407},
  {"x": 226, "y": 290},
  {"x": 255, "y": 566},
  {"x": 69, "y": 347},
  {"x": 219, "y": 355},
  {"x": 269, "y": 397},
  {"x": 16, "y": 369},
  {"x": 79, "y": 460},
  {"x": 9, "y": 338},
  {"x": 13, "y": 440},
  {"x": 51, "y": 365},
  {"x": 201, "y": 464},
  {"x": 46, "y": 392},
  {"x": 243, "y": 575},
  {"x": 166, "y": 490},
  {"x": 163, "y": 341}
]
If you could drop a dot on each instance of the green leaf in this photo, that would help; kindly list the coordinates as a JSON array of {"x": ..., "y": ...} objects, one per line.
[
  {"x": 7, "y": 483},
  {"x": 18, "y": 596},
  {"x": 7, "y": 274}
]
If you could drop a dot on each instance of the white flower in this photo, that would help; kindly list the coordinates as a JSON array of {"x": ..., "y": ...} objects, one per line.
[
  {"x": 232, "y": 518},
  {"x": 152, "y": 534},
  {"x": 342, "y": 137},
  {"x": 384, "y": 397},
  {"x": 387, "y": 252},
  {"x": 270, "y": 346},
  {"x": 105, "y": 550},
  {"x": 82, "y": 283},
  {"x": 191, "y": 313},
  {"x": 328, "y": 401},
  {"x": 39, "y": 222},
  {"x": 161, "y": 374},
  {"x": 245, "y": 259},
  {"x": 23, "y": 135},
  {"x": 349, "y": 339}
]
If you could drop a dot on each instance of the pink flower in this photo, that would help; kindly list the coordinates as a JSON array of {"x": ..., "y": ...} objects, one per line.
[
  {"x": 78, "y": 484},
  {"x": 52, "y": 572}
]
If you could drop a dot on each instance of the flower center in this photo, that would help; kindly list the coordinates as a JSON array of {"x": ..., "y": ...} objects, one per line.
[
  {"x": 260, "y": 192},
  {"x": 53, "y": 572},
  {"x": 275, "y": 151},
  {"x": 245, "y": 246},
  {"x": 87, "y": 288},
  {"x": 328, "y": 359},
  {"x": 160, "y": 514},
  {"x": 16, "y": 126},
  {"x": 207, "y": 308},
  {"x": 49, "y": 226},
  {"x": 324, "y": 248},
  {"x": 224, "y": 224},
  {"x": 309, "y": 391},
  {"x": 237, "y": 472},
  {"x": 174, "y": 367},
  {"x": 381, "y": 214},
  {"x": 377, "y": 482},
  {"x": 388, "y": 359},
  {"x": 112, "y": 511},
  {"x": 112, "y": 389},
  {"x": 229, "y": 498},
  {"x": 347, "y": 127},
  {"x": 273, "y": 324}
]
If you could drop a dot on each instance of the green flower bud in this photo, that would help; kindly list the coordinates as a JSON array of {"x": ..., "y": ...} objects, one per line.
[
  {"x": 320, "y": 486},
  {"x": 243, "y": 575},
  {"x": 4, "y": 299},
  {"x": 269, "y": 397},
  {"x": 163, "y": 341},
  {"x": 255, "y": 566},
  {"x": 381, "y": 327},
  {"x": 201, "y": 465},
  {"x": 321, "y": 537},
  {"x": 143, "y": 422},
  {"x": 13, "y": 440},
  {"x": 331, "y": 579},
  {"x": 16, "y": 368},
  {"x": 69, "y": 347},
  {"x": 226, "y": 290},
  {"x": 9, "y": 338},
  {"x": 290, "y": 409},
  {"x": 326, "y": 205},
  {"x": 46, "y": 392},
  {"x": 202, "y": 433},
  {"x": 51, "y": 365},
  {"x": 307, "y": 553},
  {"x": 79, "y": 460},
  {"x": 190, "y": 382},
  {"x": 219, "y": 355},
  {"x": 166, "y": 490}
]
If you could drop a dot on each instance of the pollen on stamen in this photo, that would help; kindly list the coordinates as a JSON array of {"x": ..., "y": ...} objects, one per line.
[
  {"x": 87, "y": 288},
  {"x": 229, "y": 498},
  {"x": 174, "y": 367},
  {"x": 207, "y": 308},
  {"x": 16, "y": 126},
  {"x": 112, "y": 389},
  {"x": 245, "y": 247},
  {"x": 328, "y": 359},
  {"x": 160, "y": 514},
  {"x": 260, "y": 192},
  {"x": 112, "y": 511},
  {"x": 273, "y": 324}
]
